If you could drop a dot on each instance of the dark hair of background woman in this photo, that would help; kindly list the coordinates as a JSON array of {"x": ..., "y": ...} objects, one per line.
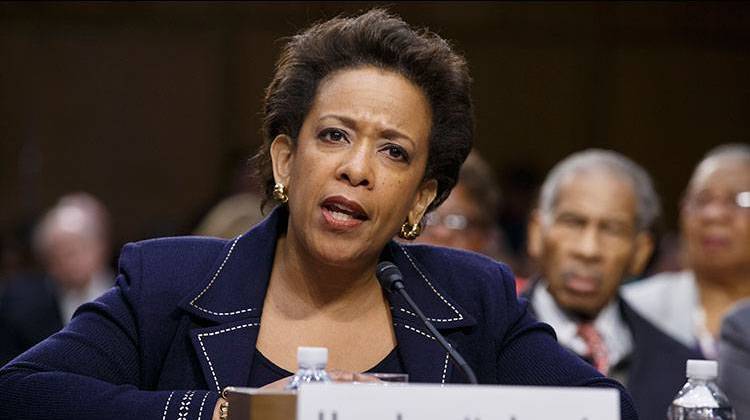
[{"x": 374, "y": 38}]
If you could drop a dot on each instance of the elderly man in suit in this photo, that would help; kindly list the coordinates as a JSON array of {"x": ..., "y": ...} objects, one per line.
[
  {"x": 72, "y": 242},
  {"x": 591, "y": 231}
]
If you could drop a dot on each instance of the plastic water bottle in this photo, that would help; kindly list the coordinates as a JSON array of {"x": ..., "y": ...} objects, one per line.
[
  {"x": 311, "y": 362},
  {"x": 700, "y": 398}
]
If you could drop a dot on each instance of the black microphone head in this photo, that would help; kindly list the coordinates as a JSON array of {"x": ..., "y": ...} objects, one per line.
[{"x": 389, "y": 276}]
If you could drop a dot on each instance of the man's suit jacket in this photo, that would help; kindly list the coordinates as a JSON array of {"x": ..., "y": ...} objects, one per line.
[
  {"x": 656, "y": 369},
  {"x": 29, "y": 313},
  {"x": 183, "y": 320}
]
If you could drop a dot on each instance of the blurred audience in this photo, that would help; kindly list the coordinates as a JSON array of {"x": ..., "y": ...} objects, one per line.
[
  {"x": 15, "y": 251},
  {"x": 715, "y": 220},
  {"x": 232, "y": 216},
  {"x": 467, "y": 219},
  {"x": 72, "y": 242},
  {"x": 592, "y": 230},
  {"x": 241, "y": 206},
  {"x": 734, "y": 358},
  {"x": 667, "y": 256}
]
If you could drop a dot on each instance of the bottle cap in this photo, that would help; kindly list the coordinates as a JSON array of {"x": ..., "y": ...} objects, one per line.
[
  {"x": 312, "y": 357},
  {"x": 702, "y": 369}
]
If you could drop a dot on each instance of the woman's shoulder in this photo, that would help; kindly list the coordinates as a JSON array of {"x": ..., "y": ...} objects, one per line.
[
  {"x": 170, "y": 263},
  {"x": 456, "y": 261},
  {"x": 179, "y": 245},
  {"x": 649, "y": 294},
  {"x": 168, "y": 251},
  {"x": 472, "y": 285},
  {"x": 459, "y": 272}
]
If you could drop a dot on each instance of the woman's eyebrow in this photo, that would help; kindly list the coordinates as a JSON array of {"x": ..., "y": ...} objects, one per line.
[
  {"x": 349, "y": 122},
  {"x": 389, "y": 133},
  {"x": 392, "y": 133}
]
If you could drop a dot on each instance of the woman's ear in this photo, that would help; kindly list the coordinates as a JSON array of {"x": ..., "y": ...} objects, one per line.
[
  {"x": 426, "y": 193},
  {"x": 282, "y": 154}
]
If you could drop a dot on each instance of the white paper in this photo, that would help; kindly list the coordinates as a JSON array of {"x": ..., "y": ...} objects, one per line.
[{"x": 454, "y": 402}]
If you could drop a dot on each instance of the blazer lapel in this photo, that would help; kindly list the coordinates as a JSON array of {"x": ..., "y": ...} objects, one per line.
[
  {"x": 423, "y": 356},
  {"x": 231, "y": 298},
  {"x": 226, "y": 352}
]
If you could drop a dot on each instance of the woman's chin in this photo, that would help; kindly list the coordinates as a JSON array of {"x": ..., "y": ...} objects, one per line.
[{"x": 345, "y": 255}]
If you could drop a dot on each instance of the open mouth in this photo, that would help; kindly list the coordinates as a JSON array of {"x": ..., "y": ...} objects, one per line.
[{"x": 340, "y": 210}]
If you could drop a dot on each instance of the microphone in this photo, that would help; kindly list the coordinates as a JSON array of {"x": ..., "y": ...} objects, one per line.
[{"x": 391, "y": 280}]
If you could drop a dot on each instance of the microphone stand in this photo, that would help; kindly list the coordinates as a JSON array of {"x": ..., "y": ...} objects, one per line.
[{"x": 391, "y": 280}]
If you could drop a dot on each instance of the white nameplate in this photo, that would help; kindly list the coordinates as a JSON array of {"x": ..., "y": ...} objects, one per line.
[{"x": 454, "y": 402}]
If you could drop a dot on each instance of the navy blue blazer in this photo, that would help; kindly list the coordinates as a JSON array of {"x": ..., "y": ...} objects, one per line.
[
  {"x": 183, "y": 319},
  {"x": 656, "y": 369}
]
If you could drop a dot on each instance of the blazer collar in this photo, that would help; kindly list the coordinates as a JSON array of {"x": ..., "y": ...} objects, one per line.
[
  {"x": 236, "y": 285},
  {"x": 232, "y": 295},
  {"x": 425, "y": 289}
]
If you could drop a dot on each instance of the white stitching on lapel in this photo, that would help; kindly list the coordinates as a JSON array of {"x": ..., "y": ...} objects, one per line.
[
  {"x": 459, "y": 318},
  {"x": 184, "y": 409},
  {"x": 203, "y": 348},
  {"x": 408, "y": 312},
  {"x": 200, "y": 412},
  {"x": 408, "y": 327},
  {"x": 166, "y": 406},
  {"x": 445, "y": 367},
  {"x": 447, "y": 355},
  {"x": 216, "y": 274}
]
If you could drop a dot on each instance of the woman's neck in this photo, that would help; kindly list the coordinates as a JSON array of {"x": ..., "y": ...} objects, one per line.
[
  {"x": 734, "y": 285},
  {"x": 307, "y": 285}
]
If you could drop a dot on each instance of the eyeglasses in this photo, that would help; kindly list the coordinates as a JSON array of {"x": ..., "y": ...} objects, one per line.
[
  {"x": 449, "y": 221},
  {"x": 700, "y": 201}
]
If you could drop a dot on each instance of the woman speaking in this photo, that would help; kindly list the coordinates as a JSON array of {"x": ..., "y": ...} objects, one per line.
[{"x": 366, "y": 124}]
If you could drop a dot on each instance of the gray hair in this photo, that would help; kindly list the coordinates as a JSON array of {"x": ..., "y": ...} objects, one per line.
[
  {"x": 80, "y": 213},
  {"x": 648, "y": 207},
  {"x": 735, "y": 150},
  {"x": 738, "y": 151}
]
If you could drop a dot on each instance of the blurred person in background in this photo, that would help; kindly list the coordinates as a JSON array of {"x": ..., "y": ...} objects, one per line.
[
  {"x": 240, "y": 207},
  {"x": 467, "y": 218},
  {"x": 734, "y": 358},
  {"x": 715, "y": 221},
  {"x": 591, "y": 231},
  {"x": 72, "y": 243},
  {"x": 239, "y": 210},
  {"x": 232, "y": 216},
  {"x": 15, "y": 252}
]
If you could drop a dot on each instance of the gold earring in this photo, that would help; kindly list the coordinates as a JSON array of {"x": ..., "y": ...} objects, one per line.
[
  {"x": 410, "y": 231},
  {"x": 280, "y": 193}
]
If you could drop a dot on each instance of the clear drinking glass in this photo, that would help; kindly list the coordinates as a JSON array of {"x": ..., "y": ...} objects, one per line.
[{"x": 387, "y": 379}]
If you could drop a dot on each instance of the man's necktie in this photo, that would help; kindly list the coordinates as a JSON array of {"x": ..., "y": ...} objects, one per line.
[{"x": 596, "y": 346}]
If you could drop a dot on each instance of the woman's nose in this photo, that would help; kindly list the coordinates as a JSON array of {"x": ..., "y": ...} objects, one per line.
[{"x": 356, "y": 167}]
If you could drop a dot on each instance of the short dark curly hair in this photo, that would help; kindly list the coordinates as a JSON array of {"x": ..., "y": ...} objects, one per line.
[{"x": 373, "y": 38}]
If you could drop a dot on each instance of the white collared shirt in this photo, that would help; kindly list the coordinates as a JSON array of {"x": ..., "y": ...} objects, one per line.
[
  {"x": 70, "y": 300},
  {"x": 609, "y": 324}
]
